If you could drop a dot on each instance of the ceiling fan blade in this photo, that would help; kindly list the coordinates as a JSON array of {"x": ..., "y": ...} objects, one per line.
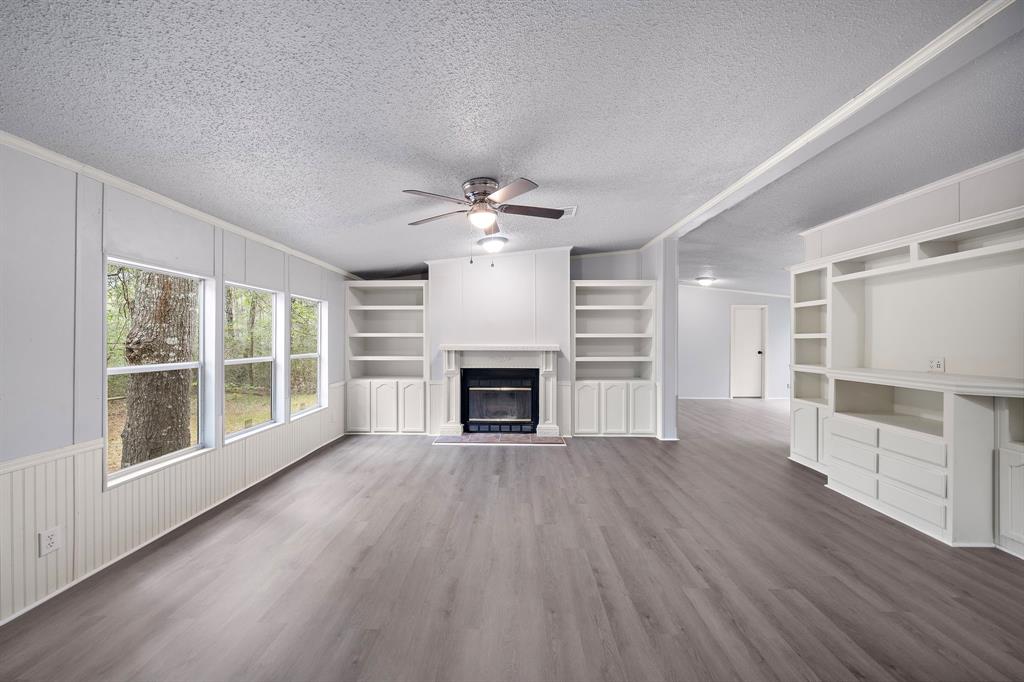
[
  {"x": 431, "y": 195},
  {"x": 511, "y": 190},
  {"x": 436, "y": 217},
  {"x": 533, "y": 211}
]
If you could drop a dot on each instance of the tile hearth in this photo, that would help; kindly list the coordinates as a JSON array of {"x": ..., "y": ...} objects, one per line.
[{"x": 499, "y": 439}]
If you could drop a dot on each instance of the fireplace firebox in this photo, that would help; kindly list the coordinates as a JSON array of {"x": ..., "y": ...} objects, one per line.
[{"x": 500, "y": 400}]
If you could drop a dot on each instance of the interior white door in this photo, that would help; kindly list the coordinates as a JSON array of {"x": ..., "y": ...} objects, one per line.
[{"x": 746, "y": 375}]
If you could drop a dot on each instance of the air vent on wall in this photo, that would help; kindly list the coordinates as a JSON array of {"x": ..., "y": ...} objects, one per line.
[{"x": 569, "y": 211}]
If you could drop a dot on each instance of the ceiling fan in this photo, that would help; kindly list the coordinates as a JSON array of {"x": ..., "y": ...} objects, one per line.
[{"x": 484, "y": 201}]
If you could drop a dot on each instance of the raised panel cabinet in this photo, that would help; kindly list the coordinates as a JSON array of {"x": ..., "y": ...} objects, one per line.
[
  {"x": 805, "y": 431},
  {"x": 614, "y": 407},
  {"x": 412, "y": 416},
  {"x": 357, "y": 406},
  {"x": 587, "y": 407},
  {"x": 384, "y": 406},
  {"x": 1011, "y": 499},
  {"x": 642, "y": 408}
]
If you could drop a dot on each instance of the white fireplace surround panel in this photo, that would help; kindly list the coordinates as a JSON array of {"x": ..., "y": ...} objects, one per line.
[{"x": 543, "y": 357}]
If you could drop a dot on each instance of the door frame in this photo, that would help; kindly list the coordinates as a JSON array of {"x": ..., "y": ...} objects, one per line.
[{"x": 764, "y": 343}]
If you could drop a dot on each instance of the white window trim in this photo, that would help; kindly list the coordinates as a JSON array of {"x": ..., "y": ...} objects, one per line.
[
  {"x": 230, "y": 437},
  {"x": 308, "y": 356},
  {"x": 113, "y": 478}
]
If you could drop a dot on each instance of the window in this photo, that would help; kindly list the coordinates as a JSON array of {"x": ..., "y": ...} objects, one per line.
[
  {"x": 305, "y": 355},
  {"x": 154, "y": 364},
  {"x": 248, "y": 358}
]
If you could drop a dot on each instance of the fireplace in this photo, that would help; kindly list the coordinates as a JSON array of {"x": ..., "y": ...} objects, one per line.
[{"x": 500, "y": 400}]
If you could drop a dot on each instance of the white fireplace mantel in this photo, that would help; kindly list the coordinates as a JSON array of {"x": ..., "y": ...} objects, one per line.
[{"x": 543, "y": 357}]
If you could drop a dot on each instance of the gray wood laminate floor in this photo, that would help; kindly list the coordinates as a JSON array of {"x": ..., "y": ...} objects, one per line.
[{"x": 387, "y": 558}]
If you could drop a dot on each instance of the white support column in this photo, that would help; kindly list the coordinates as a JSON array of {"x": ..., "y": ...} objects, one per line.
[
  {"x": 451, "y": 424},
  {"x": 548, "y": 421}
]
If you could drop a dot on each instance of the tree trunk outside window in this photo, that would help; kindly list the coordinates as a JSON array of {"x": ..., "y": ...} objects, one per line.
[{"x": 158, "y": 404}]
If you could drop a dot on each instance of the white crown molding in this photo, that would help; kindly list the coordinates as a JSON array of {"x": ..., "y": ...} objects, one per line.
[
  {"x": 50, "y": 156},
  {"x": 732, "y": 291},
  {"x": 985, "y": 27}
]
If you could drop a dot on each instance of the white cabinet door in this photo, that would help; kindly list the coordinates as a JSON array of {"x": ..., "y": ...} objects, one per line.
[
  {"x": 642, "y": 407},
  {"x": 805, "y": 431},
  {"x": 412, "y": 416},
  {"x": 614, "y": 407},
  {"x": 1011, "y": 498},
  {"x": 587, "y": 411},
  {"x": 357, "y": 406},
  {"x": 384, "y": 406}
]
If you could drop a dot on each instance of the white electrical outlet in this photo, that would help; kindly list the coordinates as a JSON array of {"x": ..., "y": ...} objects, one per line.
[
  {"x": 50, "y": 540},
  {"x": 936, "y": 364}
]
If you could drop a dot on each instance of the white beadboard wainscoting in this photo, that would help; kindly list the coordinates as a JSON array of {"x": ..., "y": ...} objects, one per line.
[{"x": 65, "y": 488}]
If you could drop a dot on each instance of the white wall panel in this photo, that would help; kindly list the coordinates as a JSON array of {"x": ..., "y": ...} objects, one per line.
[
  {"x": 524, "y": 298},
  {"x": 336, "y": 327},
  {"x": 624, "y": 265},
  {"x": 89, "y": 301},
  {"x": 234, "y": 257},
  {"x": 264, "y": 265},
  {"x": 141, "y": 230},
  {"x": 304, "y": 278},
  {"x": 37, "y": 332}
]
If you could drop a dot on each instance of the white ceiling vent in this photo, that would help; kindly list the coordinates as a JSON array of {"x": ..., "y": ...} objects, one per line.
[{"x": 570, "y": 211}]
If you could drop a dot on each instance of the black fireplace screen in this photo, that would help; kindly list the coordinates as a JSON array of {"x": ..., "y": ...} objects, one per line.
[{"x": 500, "y": 400}]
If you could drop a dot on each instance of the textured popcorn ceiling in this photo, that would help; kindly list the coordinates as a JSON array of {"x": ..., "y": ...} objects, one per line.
[
  {"x": 303, "y": 120},
  {"x": 968, "y": 118}
]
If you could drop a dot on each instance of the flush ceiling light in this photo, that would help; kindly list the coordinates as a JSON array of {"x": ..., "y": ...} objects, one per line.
[
  {"x": 705, "y": 281},
  {"x": 493, "y": 241},
  {"x": 482, "y": 216}
]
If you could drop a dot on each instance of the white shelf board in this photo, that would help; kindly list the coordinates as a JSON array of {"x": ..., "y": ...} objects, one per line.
[
  {"x": 819, "y": 335},
  {"x": 966, "y": 384},
  {"x": 903, "y": 421},
  {"x": 385, "y": 307},
  {"x": 387, "y": 284},
  {"x": 386, "y": 335},
  {"x": 948, "y": 259},
  {"x": 613, "y": 358},
  {"x": 614, "y": 307},
  {"x": 378, "y": 358},
  {"x": 819, "y": 402},
  {"x": 810, "y": 304},
  {"x": 814, "y": 369},
  {"x": 615, "y": 336}
]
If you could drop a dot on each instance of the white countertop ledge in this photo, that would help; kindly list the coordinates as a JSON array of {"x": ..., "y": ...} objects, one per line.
[{"x": 501, "y": 347}]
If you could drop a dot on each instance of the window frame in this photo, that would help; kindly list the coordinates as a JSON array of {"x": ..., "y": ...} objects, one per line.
[
  {"x": 133, "y": 471},
  {"x": 272, "y": 359},
  {"x": 307, "y": 356}
]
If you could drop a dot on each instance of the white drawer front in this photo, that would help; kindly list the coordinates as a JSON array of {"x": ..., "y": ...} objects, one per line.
[
  {"x": 852, "y": 453},
  {"x": 851, "y": 477},
  {"x": 922, "y": 478},
  {"x": 926, "y": 450},
  {"x": 920, "y": 506},
  {"x": 862, "y": 433}
]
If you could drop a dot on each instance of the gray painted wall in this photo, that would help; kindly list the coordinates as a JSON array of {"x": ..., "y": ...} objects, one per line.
[
  {"x": 55, "y": 227},
  {"x": 704, "y": 328},
  {"x": 621, "y": 265}
]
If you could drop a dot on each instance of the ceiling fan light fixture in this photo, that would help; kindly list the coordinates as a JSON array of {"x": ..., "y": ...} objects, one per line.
[
  {"x": 492, "y": 243},
  {"x": 705, "y": 280},
  {"x": 482, "y": 216}
]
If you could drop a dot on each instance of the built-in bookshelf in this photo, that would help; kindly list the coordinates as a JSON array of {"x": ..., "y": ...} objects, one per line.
[
  {"x": 613, "y": 356},
  {"x": 613, "y": 329},
  {"x": 386, "y": 328},
  {"x": 907, "y": 366}
]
